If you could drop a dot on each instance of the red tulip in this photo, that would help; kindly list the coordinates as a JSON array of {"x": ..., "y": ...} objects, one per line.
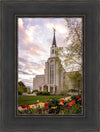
[
  {"x": 27, "y": 106},
  {"x": 23, "y": 106},
  {"x": 62, "y": 100},
  {"x": 46, "y": 104},
  {"x": 36, "y": 105},
  {"x": 69, "y": 105},
  {"x": 46, "y": 107},
  {"x": 77, "y": 97},
  {"x": 45, "y": 97},
  {"x": 73, "y": 101}
]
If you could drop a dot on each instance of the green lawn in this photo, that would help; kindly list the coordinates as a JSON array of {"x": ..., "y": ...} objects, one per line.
[{"x": 25, "y": 100}]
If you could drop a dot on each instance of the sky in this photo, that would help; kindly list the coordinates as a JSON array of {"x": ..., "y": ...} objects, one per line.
[{"x": 35, "y": 36}]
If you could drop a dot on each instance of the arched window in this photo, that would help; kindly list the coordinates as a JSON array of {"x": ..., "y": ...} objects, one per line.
[
  {"x": 51, "y": 74},
  {"x": 51, "y": 61},
  {"x": 52, "y": 51}
]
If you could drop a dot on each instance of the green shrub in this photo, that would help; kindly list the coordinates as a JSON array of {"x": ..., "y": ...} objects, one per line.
[
  {"x": 72, "y": 90},
  {"x": 53, "y": 102},
  {"x": 19, "y": 93},
  {"x": 34, "y": 91},
  {"x": 76, "y": 109},
  {"x": 43, "y": 93},
  {"x": 39, "y": 93},
  {"x": 63, "y": 92},
  {"x": 63, "y": 111},
  {"x": 29, "y": 92}
]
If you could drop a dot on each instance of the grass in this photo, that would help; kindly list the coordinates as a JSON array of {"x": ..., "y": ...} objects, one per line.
[{"x": 25, "y": 100}]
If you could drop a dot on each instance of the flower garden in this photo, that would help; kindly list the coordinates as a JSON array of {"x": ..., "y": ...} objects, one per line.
[{"x": 69, "y": 105}]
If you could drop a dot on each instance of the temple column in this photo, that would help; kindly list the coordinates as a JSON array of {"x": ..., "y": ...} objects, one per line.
[
  {"x": 42, "y": 88},
  {"x": 48, "y": 88},
  {"x": 53, "y": 89}
]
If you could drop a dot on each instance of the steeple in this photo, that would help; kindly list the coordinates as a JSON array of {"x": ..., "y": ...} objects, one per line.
[
  {"x": 54, "y": 40},
  {"x": 53, "y": 48}
]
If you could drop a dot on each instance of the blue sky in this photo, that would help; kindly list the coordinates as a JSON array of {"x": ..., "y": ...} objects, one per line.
[{"x": 35, "y": 37}]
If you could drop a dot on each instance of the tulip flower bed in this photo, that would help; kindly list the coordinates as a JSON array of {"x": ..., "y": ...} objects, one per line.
[{"x": 55, "y": 106}]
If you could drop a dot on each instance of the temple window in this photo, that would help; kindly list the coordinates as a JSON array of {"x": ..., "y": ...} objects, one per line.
[
  {"x": 52, "y": 51},
  {"x": 51, "y": 74}
]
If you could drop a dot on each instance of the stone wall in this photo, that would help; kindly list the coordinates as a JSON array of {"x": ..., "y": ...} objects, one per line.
[{"x": 38, "y": 81}]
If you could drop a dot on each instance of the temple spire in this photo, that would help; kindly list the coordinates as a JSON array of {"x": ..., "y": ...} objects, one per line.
[{"x": 54, "y": 40}]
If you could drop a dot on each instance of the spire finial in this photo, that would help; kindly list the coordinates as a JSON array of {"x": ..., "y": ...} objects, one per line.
[
  {"x": 54, "y": 30},
  {"x": 54, "y": 40}
]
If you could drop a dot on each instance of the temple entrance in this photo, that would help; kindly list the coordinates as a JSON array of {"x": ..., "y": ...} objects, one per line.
[
  {"x": 40, "y": 89},
  {"x": 55, "y": 89},
  {"x": 45, "y": 88},
  {"x": 51, "y": 89}
]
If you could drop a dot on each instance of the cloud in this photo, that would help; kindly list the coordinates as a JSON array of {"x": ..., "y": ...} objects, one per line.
[
  {"x": 29, "y": 67},
  {"x": 29, "y": 40},
  {"x": 22, "y": 72},
  {"x": 20, "y": 23},
  {"x": 29, "y": 34}
]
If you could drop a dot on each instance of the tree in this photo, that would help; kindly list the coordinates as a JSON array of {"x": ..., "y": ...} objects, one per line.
[
  {"x": 76, "y": 79},
  {"x": 21, "y": 84},
  {"x": 20, "y": 90},
  {"x": 71, "y": 55},
  {"x": 21, "y": 87},
  {"x": 65, "y": 88},
  {"x": 29, "y": 90}
]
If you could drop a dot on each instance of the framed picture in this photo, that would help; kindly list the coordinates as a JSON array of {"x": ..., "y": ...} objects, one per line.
[
  {"x": 58, "y": 87},
  {"x": 49, "y": 69}
]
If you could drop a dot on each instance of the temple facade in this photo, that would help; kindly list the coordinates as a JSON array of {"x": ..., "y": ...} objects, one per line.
[{"x": 54, "y": 74}]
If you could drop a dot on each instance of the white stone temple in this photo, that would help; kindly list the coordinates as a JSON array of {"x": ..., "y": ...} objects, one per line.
[{"x": 53, "y": 78}]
